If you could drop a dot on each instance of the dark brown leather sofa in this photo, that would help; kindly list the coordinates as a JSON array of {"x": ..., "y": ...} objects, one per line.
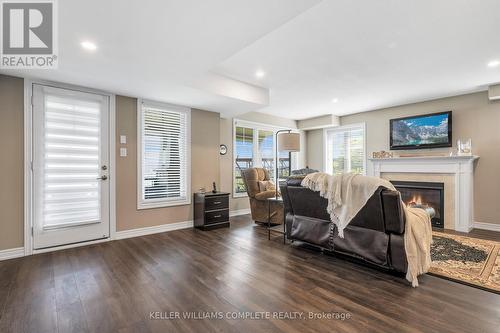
[{"x": 375, "y": 235}]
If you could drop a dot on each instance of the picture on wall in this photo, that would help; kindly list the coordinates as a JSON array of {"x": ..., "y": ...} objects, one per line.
[{"x": 425, "y": 131}]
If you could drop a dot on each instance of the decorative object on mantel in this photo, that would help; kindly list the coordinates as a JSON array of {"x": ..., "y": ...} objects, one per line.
[
  {"x": 464, "y": 147},
  {"x": 214, "y": 188},
  {"x": 466, "y": 260},
  {"x": 429, "y": 154},
  {"x": 382, "y": 154}
]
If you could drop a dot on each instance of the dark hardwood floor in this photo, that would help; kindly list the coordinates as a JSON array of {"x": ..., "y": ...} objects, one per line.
[
  {"x": 475, "y": 233},
  {"x": 113, "y": 287}
]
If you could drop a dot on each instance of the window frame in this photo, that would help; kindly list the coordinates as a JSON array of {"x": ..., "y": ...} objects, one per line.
[
  {"x": 158, "y": 203},
  {"x": 343, "y": 128},
  {"x": 256, "y": 128}
]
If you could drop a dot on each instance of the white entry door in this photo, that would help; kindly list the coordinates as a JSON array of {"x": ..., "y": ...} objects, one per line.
[{"x": 70, "y": 166}]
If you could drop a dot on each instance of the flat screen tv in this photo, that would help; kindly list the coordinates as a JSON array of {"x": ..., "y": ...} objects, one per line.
[{"x": 425, "y": 131}]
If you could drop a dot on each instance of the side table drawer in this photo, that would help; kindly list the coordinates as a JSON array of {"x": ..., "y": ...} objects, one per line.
[
  {"x": 217, "y": 216},
  {"x": 219, "y": 202}
]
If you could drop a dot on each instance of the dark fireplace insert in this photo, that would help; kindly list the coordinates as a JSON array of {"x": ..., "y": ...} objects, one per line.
[{"x": 429, "y": 196}]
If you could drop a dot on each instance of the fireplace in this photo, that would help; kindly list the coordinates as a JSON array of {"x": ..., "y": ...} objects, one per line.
[{"x": 429, "y": 196}]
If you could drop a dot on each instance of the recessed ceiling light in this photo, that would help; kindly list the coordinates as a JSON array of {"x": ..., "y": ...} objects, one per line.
[
  {"x": 494, "y": 63},
  {"x": 335, "y": 100},
  {"x": 260, "y": 74},
  {"x": 89, "y": 46}
]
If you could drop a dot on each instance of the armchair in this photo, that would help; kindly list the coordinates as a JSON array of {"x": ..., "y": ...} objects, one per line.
[{"x": 259, "y": 205}]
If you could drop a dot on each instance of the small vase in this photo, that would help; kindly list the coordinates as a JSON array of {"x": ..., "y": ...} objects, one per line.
[{"x": 464, "y": 147}]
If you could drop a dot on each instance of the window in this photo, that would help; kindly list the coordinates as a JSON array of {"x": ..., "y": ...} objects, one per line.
[
  {"x": 254, "y": 145},
  {"x": 163, "y": 155},
  {"x": 284, "y": 165},
  {"x": 266, "y": 152},
  {"x": 345, "y": 149},
  {"x": 243, "y": 144}
]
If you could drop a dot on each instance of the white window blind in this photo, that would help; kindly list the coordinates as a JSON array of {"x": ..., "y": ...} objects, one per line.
[
  {"x": 345, "y": 149},
  {"x": 68, "y": 162},
  {"x": 164, "y": 155}
]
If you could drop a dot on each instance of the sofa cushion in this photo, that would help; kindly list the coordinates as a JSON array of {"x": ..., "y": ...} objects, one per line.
[
  {"x": 303, "y": 171},
  {"x": 294, "y": 180},
  {"x": 266, "y": 185}
]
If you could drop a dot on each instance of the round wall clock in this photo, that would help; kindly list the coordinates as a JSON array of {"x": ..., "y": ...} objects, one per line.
[{"x": 223, "y": 149}]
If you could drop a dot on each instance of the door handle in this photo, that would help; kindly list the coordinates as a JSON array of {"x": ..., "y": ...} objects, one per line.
[{"x": 104, "y": 177}]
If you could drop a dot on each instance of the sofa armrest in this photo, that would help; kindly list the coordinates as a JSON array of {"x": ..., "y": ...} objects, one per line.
[{"x": 394, "y": 215}]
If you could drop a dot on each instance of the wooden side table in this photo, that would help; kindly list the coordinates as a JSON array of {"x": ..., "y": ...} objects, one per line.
[{"x": 278, "y": 201}]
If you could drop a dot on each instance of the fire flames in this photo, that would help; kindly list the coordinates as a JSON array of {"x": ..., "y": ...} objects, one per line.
[{"x": 416, "y": 200}]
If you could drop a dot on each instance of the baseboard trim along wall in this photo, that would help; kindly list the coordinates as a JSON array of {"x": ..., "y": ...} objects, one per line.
[
  {"x": 19, "y": 252},
  {"x": 70, "y": 246},
  {"x": 487, "y": 226},
  {"x": 11, "y": 253},
  {"x": 239, "y": 212},
  {"x": 153, "y": 230},
  {"x": 167, "y": 227}
]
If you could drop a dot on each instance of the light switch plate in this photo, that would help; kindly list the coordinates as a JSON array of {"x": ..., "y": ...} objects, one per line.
[
  {"x": 123, "y": 139},
  {"x": 123, "y": 152}
]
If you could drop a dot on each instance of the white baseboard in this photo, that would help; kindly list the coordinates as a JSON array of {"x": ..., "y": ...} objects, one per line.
[
  {"x": 153, "y": 230},
  {"x": 70, "y": 246},
  {"x": 11, "y": 253},
  {"x": 239, "y": 212},
  {"x": 19, "y": 251},
  {"x": 487, "y": 226}
]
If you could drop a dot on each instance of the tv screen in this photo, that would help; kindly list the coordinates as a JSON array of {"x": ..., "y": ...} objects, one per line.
[{"x": 425, "y": 131}]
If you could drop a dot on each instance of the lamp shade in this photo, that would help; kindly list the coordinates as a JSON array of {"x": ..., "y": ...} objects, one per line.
[{"x": 289, "y": 142}]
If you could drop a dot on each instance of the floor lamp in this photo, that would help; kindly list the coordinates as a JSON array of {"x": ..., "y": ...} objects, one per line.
[{"x": 285, "y": 142}]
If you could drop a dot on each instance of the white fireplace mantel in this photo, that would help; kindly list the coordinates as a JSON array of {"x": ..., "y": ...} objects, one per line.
[{"x": 462, "y": 167}]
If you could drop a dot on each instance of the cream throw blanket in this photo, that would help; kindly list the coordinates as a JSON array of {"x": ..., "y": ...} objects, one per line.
[{"x": 348, "y": 193}]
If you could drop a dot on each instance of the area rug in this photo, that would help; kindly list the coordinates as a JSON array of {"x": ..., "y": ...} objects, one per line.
[{"x": 468, "y": 260}]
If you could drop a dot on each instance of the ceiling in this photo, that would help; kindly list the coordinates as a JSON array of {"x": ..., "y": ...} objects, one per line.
[
  {"x": 165, "y": 49},
  {"x": 373, "y": 54},
  {"x": 365, "y": 54}
]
